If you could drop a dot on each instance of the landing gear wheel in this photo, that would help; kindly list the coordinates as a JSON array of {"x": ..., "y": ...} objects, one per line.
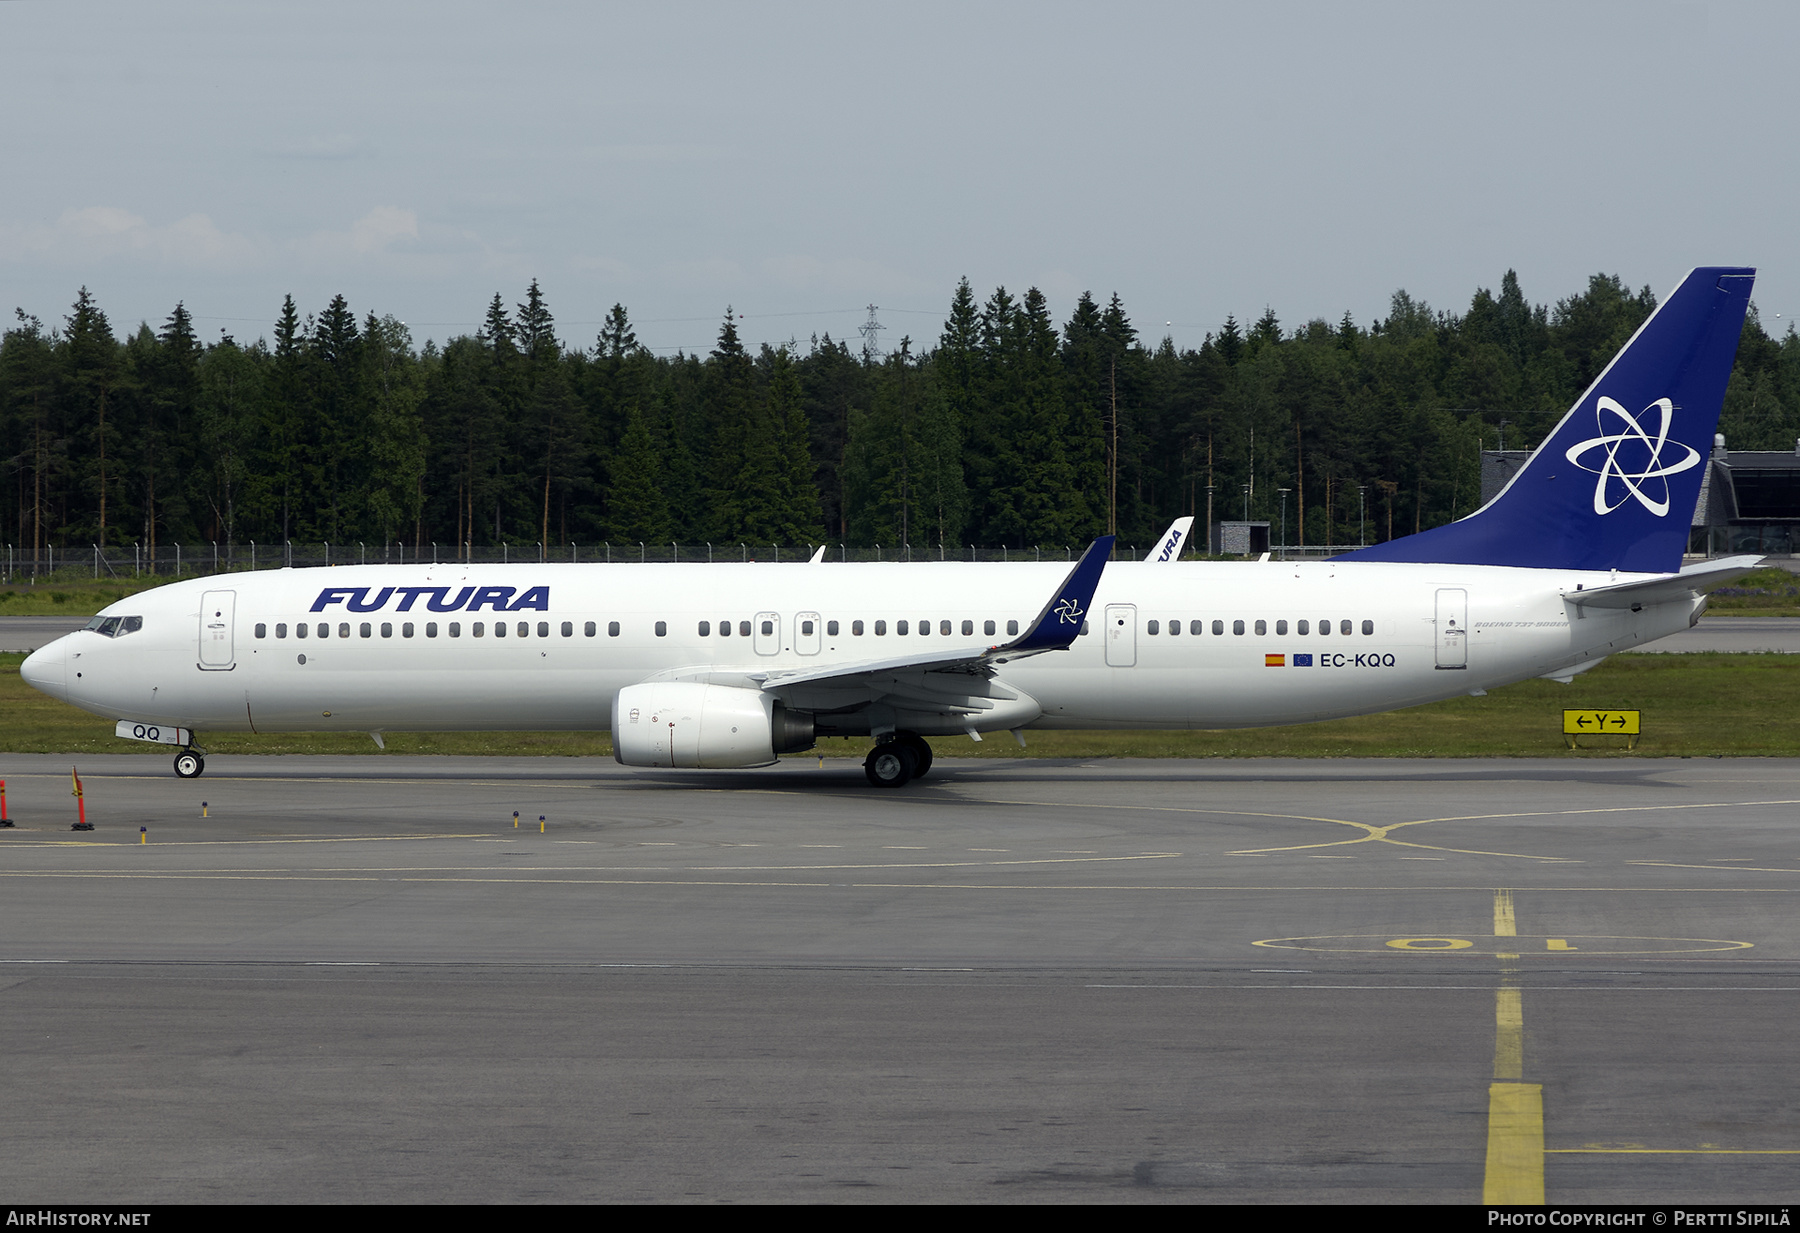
[
  {"x": 189, "y": 764},
  {"x": 920, "y": 750},
  {"x": 890, "y": 765}
]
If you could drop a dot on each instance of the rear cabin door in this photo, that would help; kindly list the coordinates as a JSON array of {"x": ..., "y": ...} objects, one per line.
[
  {"x": 217, "y": 618},
  {"x": 1121, "y": 635},
  {"x": 1453, "y": 628}
]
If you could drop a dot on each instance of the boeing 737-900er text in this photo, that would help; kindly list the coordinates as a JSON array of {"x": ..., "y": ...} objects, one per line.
[{"x": 732, "y": 665}]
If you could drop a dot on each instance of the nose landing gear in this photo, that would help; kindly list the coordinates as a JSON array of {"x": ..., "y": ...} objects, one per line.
[
  {"x": 896, "y": 761},
  {"x": 190, "y": 763}
]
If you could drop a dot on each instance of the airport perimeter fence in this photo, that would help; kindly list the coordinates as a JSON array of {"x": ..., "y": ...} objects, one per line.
[{"x": 171, "y": 561}]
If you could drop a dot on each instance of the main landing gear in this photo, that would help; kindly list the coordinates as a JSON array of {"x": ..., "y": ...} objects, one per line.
[
  {"x": 902, "y": 757},
  {"x": 190, "y": 763}
]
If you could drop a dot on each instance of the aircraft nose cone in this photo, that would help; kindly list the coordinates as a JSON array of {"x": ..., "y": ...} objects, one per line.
[{"x": 45, "y": 669}]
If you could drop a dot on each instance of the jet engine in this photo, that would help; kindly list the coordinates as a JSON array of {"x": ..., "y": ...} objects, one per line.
[{"x": 673, "y": 723}]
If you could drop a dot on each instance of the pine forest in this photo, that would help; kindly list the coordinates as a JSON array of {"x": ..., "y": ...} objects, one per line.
[{"x": 1007, "y": 432}]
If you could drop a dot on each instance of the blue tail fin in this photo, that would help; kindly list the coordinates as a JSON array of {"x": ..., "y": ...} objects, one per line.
[{"x": 1614, "y": 485}]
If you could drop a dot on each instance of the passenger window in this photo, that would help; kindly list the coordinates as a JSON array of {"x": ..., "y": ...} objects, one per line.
[
  {"x": 475, "y": 630},
  {"x": 831, "y": 629},
  {"x": 806, "y": 627},
  {"x": 856, "y": 629},
  {"x": 589, "y": 629},
  {"x": 1152, "y": 626},
  {"x": 1012, "y": 628},
  {"x": 1218, "y": 627},
  {"x": 387, "y": 629},
  {"x": 344, "y": 629},
  {"x": 281, "y": 629},
  {"x": 406, "y": 630},
  {"x": 431, "y": 629},
  {"x": 706, "y": 629},
  {"x": 743, "y": 629},
  {"x": 1174, "y": 628},
  {"x": 724, "y": 629},
  {"x": 1368, "y": 628},
  {"x": 325, "y": 630},
  {"x": 899, "y": 629},
  {"x": 987, "y": 627},
  {"x": 300, "y": 630},
  {"x": 880, "y": 629},
  {"x": 525, "y": 630},
  {"x": 1324, "y": 628},
  {"x": 1237, "y": 627},
  {"x": 768, "y": 627},
  {"x": 612, "y": 629},
  {"x": 1281, "y": 627},
  {"x": 925, "y": 628},
  {"x": 1343, "y": 627},
  {"x": 1301, "y": 627},
  {"x": 544, "y": 629},
  {"x": 499, "y": 629},
  {"x": 262, "y": 631},
  {"x": 1262, "y": 627},
  {"x": 568, "y": 629},
  {"x": 968, "y": 628},
  {"x": 662, "y": 629},
  {"x": 1196, "y": 627}
]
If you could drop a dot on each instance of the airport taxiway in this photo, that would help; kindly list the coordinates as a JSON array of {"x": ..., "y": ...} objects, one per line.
[{"x": 1268, "y": 980}]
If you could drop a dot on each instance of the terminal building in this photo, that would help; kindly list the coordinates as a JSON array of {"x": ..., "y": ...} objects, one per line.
[{"x": 1749, "y": 499}]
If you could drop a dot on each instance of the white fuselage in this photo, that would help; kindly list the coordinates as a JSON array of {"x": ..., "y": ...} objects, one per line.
[{"x": 240, "y": 665}]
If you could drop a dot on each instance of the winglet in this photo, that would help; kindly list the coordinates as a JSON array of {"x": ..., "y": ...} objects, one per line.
[{"x": 1060, "y": 620}]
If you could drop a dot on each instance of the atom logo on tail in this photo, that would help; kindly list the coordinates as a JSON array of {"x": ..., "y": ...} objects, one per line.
[{"x": 1641, "y": 449}]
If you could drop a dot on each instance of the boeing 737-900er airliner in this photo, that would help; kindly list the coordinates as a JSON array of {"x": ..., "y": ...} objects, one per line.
[{"x": 731, "y": 665}]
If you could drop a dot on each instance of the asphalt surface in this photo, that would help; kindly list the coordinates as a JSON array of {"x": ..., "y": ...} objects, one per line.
[{"x": 354, "y": 980}]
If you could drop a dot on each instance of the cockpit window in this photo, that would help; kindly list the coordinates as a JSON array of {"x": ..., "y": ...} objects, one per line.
[{"x": 115, "y": 627}]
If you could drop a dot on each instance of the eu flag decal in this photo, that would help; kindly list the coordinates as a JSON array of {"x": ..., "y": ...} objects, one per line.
[
  {"x": 1274, "y": 661},
  {"x": 1303, "y": 660}
]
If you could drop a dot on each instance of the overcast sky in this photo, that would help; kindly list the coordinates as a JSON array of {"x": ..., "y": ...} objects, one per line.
[{"x": 800, "y": 161}]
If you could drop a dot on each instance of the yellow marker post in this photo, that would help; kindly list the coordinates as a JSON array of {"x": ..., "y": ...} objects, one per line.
[
  {"x": 203, "y": 809},
  {"x": 540, "y": 824},
  {"x": 515, "y": 819},
  {"x": 143, "y": 834},
  {"x": 1628, "y": 724}
]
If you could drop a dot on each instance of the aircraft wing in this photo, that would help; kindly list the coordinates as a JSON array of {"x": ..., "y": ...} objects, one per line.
[
  {"x": 1057, "y": 625},
  {"x": 1689, "y": 582}
]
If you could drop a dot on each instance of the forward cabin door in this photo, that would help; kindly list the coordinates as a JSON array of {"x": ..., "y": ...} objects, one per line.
[
  {"x": 218, "y": 615},
  {"x": 1453, "y": 629},
  {"x": 1121, "y": 635}
]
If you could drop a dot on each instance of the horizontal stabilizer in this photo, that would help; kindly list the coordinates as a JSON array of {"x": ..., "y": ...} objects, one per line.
[{"x": 1692, "y": 581}]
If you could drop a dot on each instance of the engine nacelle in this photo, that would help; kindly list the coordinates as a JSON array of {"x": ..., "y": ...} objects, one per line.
[{"x": 673, "y": 723}]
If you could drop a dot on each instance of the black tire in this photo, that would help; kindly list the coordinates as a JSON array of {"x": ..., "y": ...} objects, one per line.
[
  {"x": 189, "y": 765},
  {"x": 890, "y": 765},
  {"x": 921, "y": 753}
]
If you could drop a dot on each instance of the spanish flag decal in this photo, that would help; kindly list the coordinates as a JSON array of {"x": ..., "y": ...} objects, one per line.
[{"x": 1274, "y": 661}]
